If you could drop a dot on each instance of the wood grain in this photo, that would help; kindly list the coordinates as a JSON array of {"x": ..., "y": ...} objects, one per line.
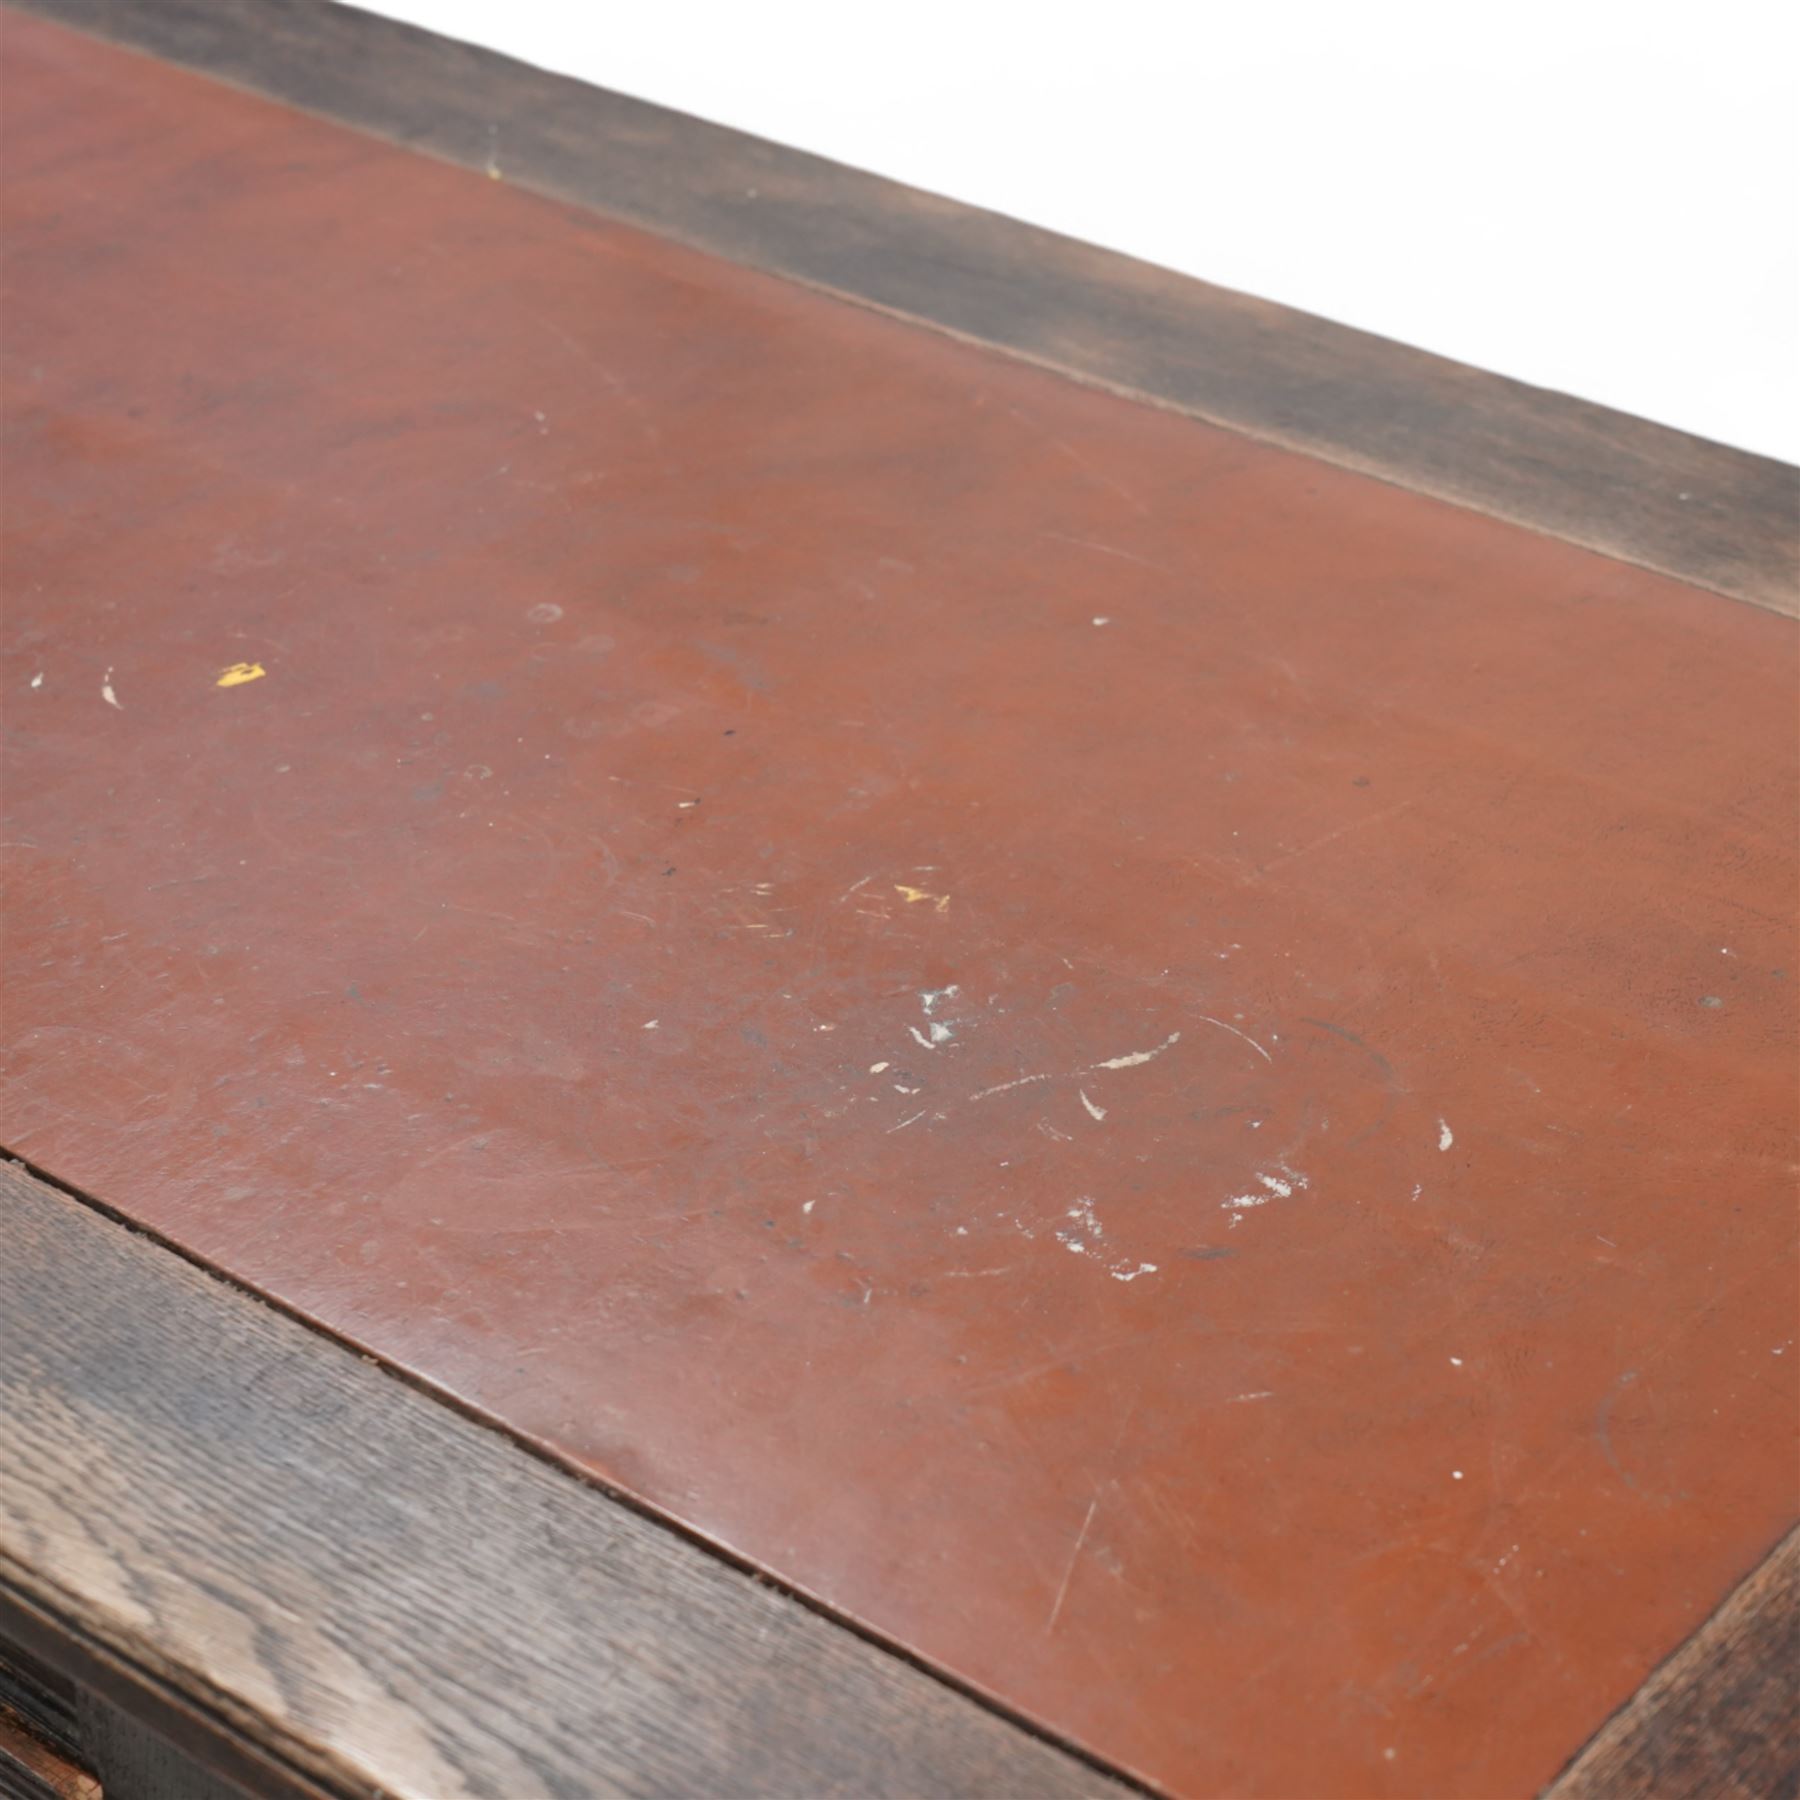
[
  {"x": 31, "y": 1769},
  {"x": 332, "y": 1570},
  {"x": 1718, "y": 517},
  {"x": 44, "y": 1701},
  {"x": 136, "y": 1763},
  {"x": 1719, "y": 1719}
]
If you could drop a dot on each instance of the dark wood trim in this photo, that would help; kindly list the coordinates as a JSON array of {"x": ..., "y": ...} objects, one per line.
[
  {"x": 276, "y": 1568},
  {"x": 309, "y": 1576},
  {"x": 137, "y": 1763},
  {"x": 1721, "y": 1718},
  {"x": 41, "y": 1699},
  {"x": 217, "y": 1746},
  {"x": 32, "y": 1768},
  {"x": 1720, "y": 518}
]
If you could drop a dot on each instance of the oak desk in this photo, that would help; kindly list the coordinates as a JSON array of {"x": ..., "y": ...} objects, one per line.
[{"x": 812, "y": 996}]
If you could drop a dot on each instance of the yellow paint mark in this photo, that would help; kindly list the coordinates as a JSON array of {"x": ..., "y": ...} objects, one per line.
[
  {"x": 239, "y": 673},
  {"x": 912, "y": 896}
]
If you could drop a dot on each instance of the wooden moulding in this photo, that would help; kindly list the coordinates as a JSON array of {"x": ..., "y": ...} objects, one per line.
[
  {"x": 307, "y": 1577},
  {"x": 1721, "y": 1717},
  {"x": 1717, "y": 517},
  {"x": 313, "y": 1577}
]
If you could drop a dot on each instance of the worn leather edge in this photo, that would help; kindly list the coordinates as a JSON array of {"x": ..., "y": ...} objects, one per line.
[
  {"x": 315, "y": 1577},
  {"x": 1720, "y": 1719},
  {"x": 1704, "y": 513}
]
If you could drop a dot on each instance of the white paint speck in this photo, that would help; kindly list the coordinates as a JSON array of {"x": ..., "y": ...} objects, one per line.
[
  {"x": 38, "y": 679},
  {"x": 930, "y": 997},
  {"x": 106, "y": 691},
  {"x": 1096, "y": 1113},
  {"x": 1102, "y": 619},
  {"x": 1087, "y": 1227},
  {"x": 878, "y": 1068},
  {"x": 1456, "y": 1362},
  {"x": 1138, "y": 1057},
  {"x": 824, "y": 1028},
  {"x": 1122, "y": 1274},
  {"x": 1456, "y": 1474},
  {"x": 1260, "y": 1394},
  {"x": 1275, "y": 1187},
  {"x": 916, "y": 1117},
  {"x": 651, "y": 1024},
  {"x": 808, "y": 1205},
  {"x": 1418, "y": 1189},
  {"x": 920, "y": 1038},
  {"x": 1446, "y": 1137}
]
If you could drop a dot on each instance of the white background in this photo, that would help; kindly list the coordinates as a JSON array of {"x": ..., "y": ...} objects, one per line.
[{"x": 1599, "y": 196}]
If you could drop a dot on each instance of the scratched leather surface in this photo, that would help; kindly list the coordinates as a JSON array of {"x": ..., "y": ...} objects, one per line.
[{"x": 1164, "y": 1072}]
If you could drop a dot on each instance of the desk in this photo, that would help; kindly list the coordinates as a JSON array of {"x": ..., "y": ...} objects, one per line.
[{"x": 815, "y": 997}]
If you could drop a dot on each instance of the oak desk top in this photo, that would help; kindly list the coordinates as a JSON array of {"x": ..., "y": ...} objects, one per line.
[{"x": 1147, "y": 1057}]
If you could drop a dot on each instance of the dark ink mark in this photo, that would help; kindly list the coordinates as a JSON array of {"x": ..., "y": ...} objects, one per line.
[
  {"x": 1208, "y": 1253},
  {"x": 1381, "y": 1063}
]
